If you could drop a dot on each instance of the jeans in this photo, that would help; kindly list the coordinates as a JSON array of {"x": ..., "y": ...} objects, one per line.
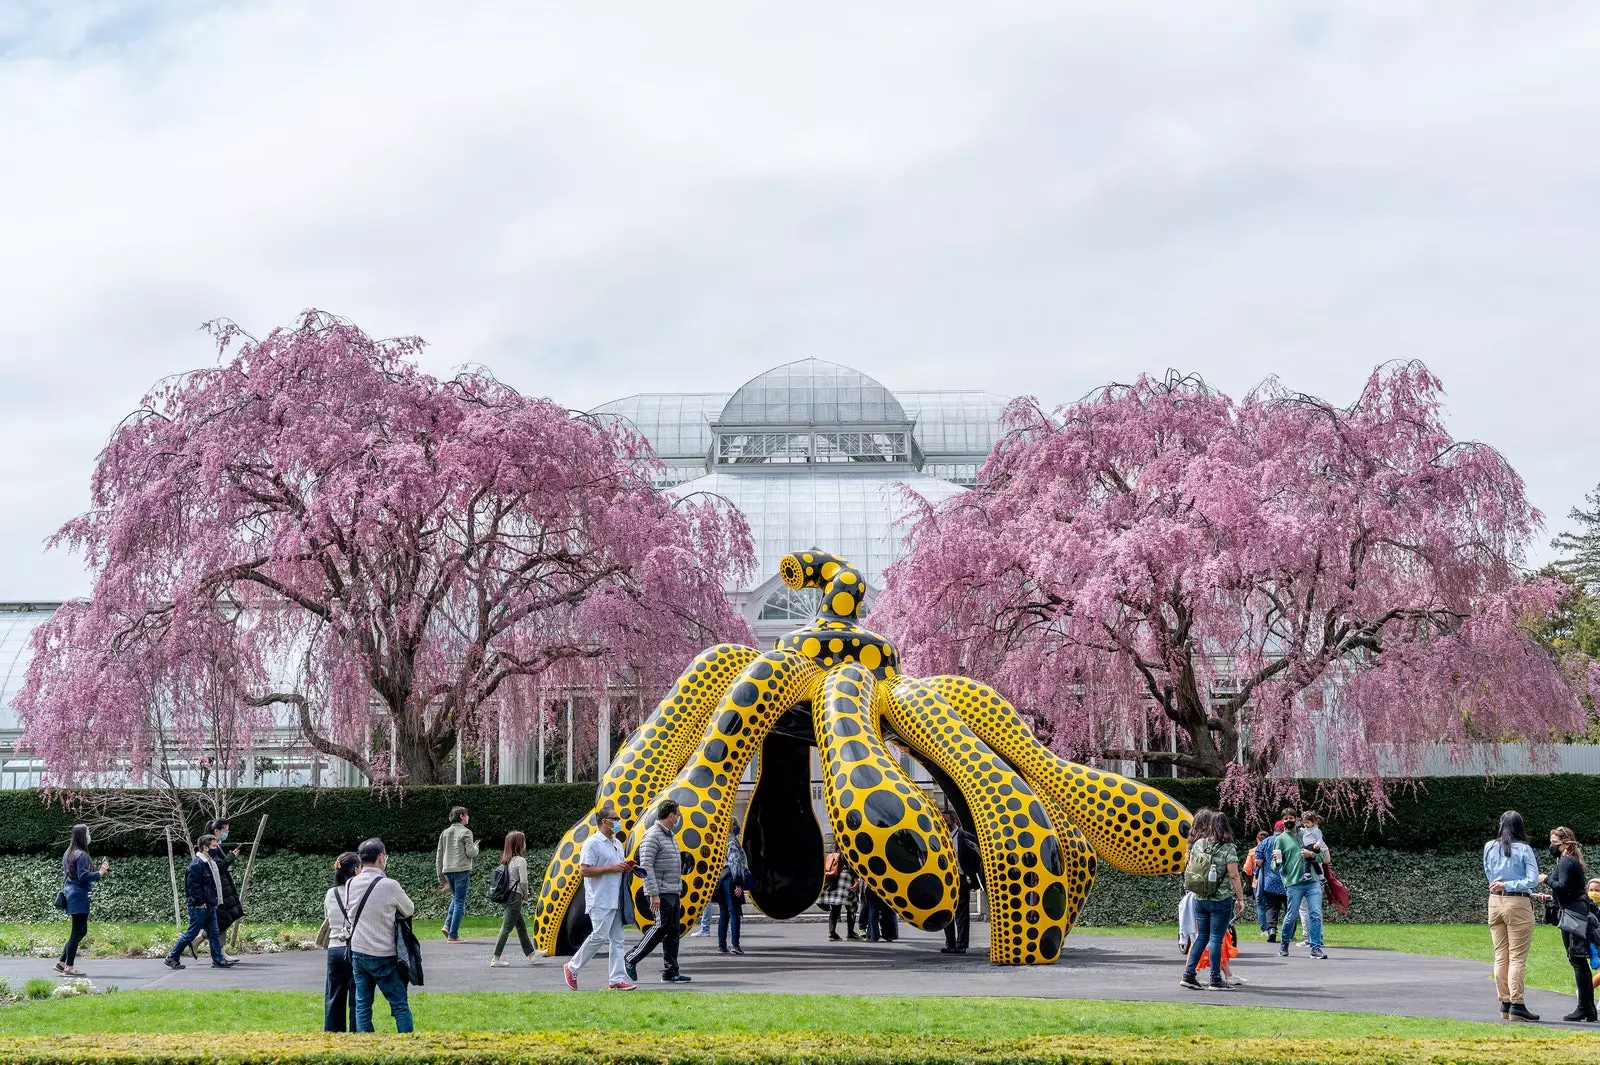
[
  {"x": 1309, "y": 892},
  {"x": 80, "y": 928},
  {"x": 958, "y": 932},
  {"x": 201, "y": 919},
  {"x": 458, "y": 902},
  {"x": 1211, "y": 920},
  {"x": 664, "y": 932},
  {"x": 606, "y": 931},
  {"x": 383, "y": 973},
  {"x": 338, "y": 998},
  {"x": 881, "y": 921},
  {"x": 513, "y": 919},
  {"x": 732, "y": 908}
]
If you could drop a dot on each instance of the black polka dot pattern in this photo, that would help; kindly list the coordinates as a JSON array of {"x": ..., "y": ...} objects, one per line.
[
  {"x": 646, "y": 762},
  {"x": 1022, "y": 860},
  {"x": 883, "y": 823},
  {"x": 1129, "y": 824},
  {"x": 706, "y": 788}
]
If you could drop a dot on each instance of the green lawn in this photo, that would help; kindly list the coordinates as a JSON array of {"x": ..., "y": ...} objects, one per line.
[
  {"x": 973, "y": 1018},
  {"x": 1547, "y": 962},
  {"x": 137, "y": 940}
]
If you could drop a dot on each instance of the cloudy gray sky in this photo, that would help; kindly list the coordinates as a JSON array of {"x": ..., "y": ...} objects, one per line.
[{"x": 598, "y": 199}]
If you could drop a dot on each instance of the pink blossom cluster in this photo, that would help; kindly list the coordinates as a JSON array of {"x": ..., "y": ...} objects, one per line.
[
  {"x": 1158, "y": 561},
  {"x": 314, "y": 526}
]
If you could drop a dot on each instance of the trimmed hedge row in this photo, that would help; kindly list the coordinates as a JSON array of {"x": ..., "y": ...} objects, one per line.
[
  {"x": 1386, "y": 886},
  {"x": 311, "y": 821},
  {"x": 774, "y": 1048},
  {"x": 1440, "y": 813}
]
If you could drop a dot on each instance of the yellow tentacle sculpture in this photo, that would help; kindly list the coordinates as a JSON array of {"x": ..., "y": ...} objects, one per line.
[{"x": 1042, "y": 822}]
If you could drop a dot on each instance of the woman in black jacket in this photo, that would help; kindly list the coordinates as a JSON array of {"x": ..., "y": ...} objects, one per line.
[{"x": 1567, "y": 886}]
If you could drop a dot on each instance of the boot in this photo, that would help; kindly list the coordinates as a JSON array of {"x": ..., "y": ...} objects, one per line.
[
  {"x": 833, "y": 926},
  {"x": 1520, "y": 1012}
]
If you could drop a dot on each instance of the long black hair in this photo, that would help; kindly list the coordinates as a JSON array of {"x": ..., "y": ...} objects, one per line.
[
  {"x": 79, "y": 845},
  {"x": 345, "y": 868},
  {"x": 1511, "y": 831}
]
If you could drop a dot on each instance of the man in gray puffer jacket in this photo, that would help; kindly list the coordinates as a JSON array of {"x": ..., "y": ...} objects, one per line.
[{"x": 660, "y": 859}]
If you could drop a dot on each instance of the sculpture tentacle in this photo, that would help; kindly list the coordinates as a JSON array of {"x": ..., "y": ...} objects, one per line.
[
  {"x": 652, "y": 755},
  {"x": 882, "y": 822},
  {"x": 1079, "y": 858},
  {"x": 1131, "y": 825},
  {"x": 706, "y": 787},
  {"x": 1028, "y": 877}
]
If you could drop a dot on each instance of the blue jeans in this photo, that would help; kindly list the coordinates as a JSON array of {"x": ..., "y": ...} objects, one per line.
[
  {"x": 1211, "y": 920},
  {"x": 458, "y": 902},
  {"x": 201, "y": 919},
  {"x": 730, "y": 906},
  {"x": 1311, "y": 891},
  {"x": 373, "y": 971}
]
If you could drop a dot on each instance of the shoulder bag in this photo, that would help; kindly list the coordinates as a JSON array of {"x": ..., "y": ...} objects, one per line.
[{"x": 350, "y": 929}]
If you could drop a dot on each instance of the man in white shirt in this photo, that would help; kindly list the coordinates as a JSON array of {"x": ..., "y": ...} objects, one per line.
[
  {"x": 604, "y": 870},
  {"x": 372, "y": 956}
]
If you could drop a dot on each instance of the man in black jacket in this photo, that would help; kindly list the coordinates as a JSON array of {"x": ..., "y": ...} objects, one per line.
[
  {"x": 229, "y": 909},
  {"x": 970, "y": 865},
  {"x": 201, "y": 884}
]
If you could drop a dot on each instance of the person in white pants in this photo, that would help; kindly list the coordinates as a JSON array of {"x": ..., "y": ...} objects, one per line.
[{"x": 604, "y": 868}]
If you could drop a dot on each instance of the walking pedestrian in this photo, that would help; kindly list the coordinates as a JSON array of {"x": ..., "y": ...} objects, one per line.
[
  {"x": 1295, "y": 863},
  {"x": 969, "y": 878},
  {"x": 839, "y": 894},
  {"x": 662, "y": 863},
  {"x": 1512, "y": 872},
  {"x": 1212, "y": 875},
  {"x": 338, "y": 984},
  {"x": 514, "y": 857},
  {"x": 230, "y": 909},
  {"x": 452, "y": 867},
  {"x": 78, "y": 876},
  {"x": 730, "y": 891},
  {"x": 1567, "y": 887},
  {"x": 1271, "y": 899},
  {"x": 374, "y": 901},
  {"x": 202, "y": 886},
  {"x": 606, "y": 875}
]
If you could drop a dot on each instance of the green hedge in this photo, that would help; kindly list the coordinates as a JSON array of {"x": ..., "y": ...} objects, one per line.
[
  {"x": 777, "y": 1048},
  {"x": 311, "y": 821}
]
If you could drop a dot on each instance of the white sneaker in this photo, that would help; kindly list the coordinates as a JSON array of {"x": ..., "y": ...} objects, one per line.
[
  {"x": 700, "y": 932},
  {"x": 498, "y": 963}
]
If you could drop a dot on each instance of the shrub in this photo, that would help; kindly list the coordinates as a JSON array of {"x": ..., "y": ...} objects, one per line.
[{"x": 39, "y": 988}]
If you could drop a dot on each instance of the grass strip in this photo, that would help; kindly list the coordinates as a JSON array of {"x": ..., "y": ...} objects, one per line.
[{"x": 793, "y": 1048}]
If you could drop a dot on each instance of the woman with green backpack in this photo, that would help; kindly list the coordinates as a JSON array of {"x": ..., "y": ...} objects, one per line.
[
  {"x": 1212, "y": 876},
  {"x": 509, "y": 887}
]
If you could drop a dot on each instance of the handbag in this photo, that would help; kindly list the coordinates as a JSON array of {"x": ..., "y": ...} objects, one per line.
[
  {"x": 60, "y": 901},
  {"x": 1572, "y": 924}
]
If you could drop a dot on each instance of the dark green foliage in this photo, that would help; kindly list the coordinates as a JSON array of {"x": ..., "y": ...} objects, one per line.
[{"x": 327, "y": 821}]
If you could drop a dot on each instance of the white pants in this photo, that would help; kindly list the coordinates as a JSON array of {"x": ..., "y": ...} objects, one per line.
[{"x": 607, "y": 930}]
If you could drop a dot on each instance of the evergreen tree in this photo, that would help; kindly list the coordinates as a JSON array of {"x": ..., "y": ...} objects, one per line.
[{"x": 1581, "y": 548}]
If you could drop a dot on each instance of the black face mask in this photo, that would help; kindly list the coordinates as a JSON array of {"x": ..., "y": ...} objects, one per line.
[{"x": 1555, "y": 851}]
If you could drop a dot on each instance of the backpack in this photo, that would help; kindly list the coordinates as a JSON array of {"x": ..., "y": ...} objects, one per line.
[
  {"x": 1200, "y": 875},
  {"x": 500, "y": 885}
]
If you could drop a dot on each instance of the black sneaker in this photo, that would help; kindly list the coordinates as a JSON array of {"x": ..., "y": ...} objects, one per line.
[
  {"x": 172, "y": 962},
  {"x": 1283, "y": 950},
  {"x": 1219, "y": 984},
  {"x": 1316, "y": 952},
  {"x": 738, "y": 949},
  {"x": 675, "y": 978},
  {"x": 1189, "y": 983},
  {"x": 633, "y": 973},
  {"x": 223, "y": 964},
  {"x": 1272, "y": 937}
]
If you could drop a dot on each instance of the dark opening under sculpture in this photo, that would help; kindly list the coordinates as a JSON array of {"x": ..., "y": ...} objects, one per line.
[{"x": 1041, "y": 821}]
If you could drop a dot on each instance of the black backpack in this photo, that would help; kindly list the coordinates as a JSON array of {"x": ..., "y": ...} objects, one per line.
[{"x": 500, "y": 885}]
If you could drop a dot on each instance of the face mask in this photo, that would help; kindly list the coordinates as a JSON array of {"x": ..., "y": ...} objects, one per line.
[
  {"x": 1555, "y": 851},
  {"x": 1594, "y": 896},
  {"x": 222, "y": 835}
]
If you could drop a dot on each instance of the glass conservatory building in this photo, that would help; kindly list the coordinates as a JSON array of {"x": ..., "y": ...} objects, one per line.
[{"x": 816, "y": 455}]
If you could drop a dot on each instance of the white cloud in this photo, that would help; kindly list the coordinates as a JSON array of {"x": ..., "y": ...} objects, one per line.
[{"x": 599, "y": 199}]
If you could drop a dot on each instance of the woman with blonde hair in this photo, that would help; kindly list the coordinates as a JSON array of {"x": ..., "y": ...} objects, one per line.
[
  {"x": 514, "y": 858},
  {"x": 1567, "y": 887}
]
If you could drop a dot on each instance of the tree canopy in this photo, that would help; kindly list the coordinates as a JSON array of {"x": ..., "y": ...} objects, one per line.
[{"x": 315, "y": 524}]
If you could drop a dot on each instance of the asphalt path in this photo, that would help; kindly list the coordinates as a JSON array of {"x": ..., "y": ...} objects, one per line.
[{"x": 795, "y": 957}]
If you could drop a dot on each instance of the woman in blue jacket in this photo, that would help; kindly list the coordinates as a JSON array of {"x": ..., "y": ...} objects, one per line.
[{"x": 79, "y": 880}]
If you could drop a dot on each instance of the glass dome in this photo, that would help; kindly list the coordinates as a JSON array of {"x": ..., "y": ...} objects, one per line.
[{"x": 812, "y": 392}]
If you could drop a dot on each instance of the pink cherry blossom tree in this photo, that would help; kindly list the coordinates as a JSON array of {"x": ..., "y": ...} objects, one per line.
[
  {"x": 316, "y": 527},
  {"x": 1158, "y": 561}
]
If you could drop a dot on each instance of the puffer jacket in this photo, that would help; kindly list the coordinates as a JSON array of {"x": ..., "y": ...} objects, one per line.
[{"x": 658, "y": 857}]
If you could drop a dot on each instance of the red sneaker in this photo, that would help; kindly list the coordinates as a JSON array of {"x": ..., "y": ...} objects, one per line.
[
  {"x": 572, "y": 978},
  {"x": 623, "y": 986}
]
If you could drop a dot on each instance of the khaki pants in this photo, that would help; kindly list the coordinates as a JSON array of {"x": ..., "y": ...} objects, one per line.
[{"x": 1511, "y": 928}]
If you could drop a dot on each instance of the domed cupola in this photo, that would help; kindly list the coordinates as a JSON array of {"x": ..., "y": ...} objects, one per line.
[{"x": 809, "y": 414}]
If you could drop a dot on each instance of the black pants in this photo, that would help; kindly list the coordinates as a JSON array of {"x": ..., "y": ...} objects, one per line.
[
  {"x": 1578, "y": 955},
  {"x": 339, "y": 993},
  {"x": 664, "y": 932},
  {"x": 849, "y": 920},
  {"x": 959, "y": 931},
  {"x": 80, "y": 928}
]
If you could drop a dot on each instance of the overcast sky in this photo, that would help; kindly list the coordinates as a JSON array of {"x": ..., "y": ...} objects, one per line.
[{"x": 599, "y": 199}]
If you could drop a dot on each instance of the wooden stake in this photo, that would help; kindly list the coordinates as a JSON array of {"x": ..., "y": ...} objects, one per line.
[
  {"x": 244, "y": 888},
  {"x": 172, "y": 871}
]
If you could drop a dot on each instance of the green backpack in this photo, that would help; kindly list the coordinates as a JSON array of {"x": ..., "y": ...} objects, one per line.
[{"x": 1201, "y": 875}]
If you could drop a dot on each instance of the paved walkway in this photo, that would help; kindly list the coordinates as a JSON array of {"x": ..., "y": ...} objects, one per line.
[{"x": 794, "y": 957}]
